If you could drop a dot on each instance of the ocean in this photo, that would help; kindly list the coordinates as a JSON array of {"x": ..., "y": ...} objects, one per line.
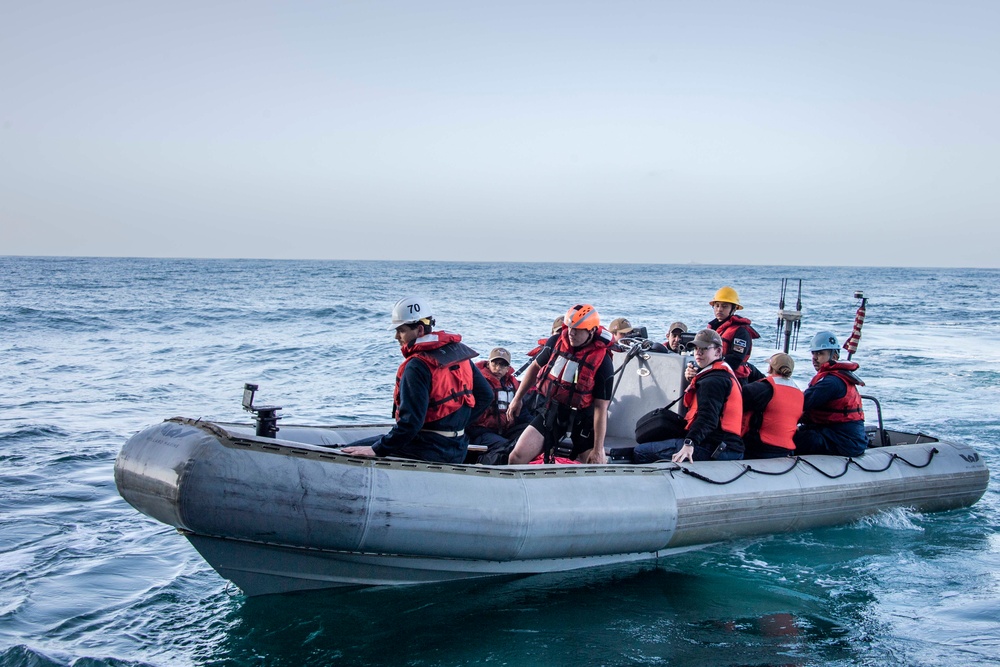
[{"x": 95, "y": 349}]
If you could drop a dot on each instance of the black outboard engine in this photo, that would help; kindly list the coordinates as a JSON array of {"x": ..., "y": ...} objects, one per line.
[{"x": 266, "y": 416}]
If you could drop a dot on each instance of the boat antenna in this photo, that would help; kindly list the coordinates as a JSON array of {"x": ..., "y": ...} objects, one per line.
[
  {"x": 851, "y": 344},
  {"x": 789, "y": 321}
]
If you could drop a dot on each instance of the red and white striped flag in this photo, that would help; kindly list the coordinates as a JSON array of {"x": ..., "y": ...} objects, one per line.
[{"x": 851, "y": 344}]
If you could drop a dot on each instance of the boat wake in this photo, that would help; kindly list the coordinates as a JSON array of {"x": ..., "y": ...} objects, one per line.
[{"x": 896, "y": 518}]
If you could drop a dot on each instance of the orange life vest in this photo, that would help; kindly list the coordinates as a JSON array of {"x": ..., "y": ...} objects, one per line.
[
  {"x": 781, "y": 415},
  {"x": 732, "y": 410},
  {"x": 451, "y": 376}
]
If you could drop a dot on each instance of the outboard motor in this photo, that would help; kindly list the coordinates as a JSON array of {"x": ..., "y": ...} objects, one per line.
[{"x": 266, "y": 416}]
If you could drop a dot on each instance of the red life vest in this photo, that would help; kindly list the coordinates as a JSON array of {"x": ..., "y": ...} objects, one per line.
[
  {"x": 541, "y": 344},
  {"x": 569, "y": 376},
  {"x": 780, "y": 417},
  {"x": 846, "y": 408},
  {"x": 451, "y": 376},
  {"x": 495, "y": 418},
  {"x": 732, "y": 410},
  {"x": 727, "y": 331}
]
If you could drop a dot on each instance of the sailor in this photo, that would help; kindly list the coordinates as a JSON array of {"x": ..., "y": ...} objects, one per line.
[
  {"x": 833, "y": 421},
  {"x": 714, "y": 414},
  {"x": 736, "y": 332},
  {"x": 575, "y": 375},
  {"x": 533, "y": 401},
  {"x": 619, "y": 328},
  {"x": 439, "y": 391},
  {"x": 674, "y": 332},
  {"x": 493, "y": 425},
  {"x": 771, "y": 411}
]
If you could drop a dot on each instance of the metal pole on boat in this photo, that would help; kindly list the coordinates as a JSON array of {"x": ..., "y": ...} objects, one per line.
[{"x": 789, "y": 321}]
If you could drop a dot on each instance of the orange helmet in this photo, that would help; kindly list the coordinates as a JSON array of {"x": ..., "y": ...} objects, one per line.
[{"x": 582, "y": 316}]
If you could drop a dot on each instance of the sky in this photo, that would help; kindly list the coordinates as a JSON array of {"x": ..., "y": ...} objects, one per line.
[{"x": 783, "y": 132}]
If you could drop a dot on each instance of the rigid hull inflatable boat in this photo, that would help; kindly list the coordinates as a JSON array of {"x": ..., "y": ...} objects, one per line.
[{"x": 285, "y": 513}]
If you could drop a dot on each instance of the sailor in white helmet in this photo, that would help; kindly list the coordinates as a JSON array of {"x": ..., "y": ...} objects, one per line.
[
  {"x": 439, "y": 391},
  {"x": 833, "y": 421}
]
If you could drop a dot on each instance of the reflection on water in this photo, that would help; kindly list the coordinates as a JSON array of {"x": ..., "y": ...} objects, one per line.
[{"x": 617, "y": 615}]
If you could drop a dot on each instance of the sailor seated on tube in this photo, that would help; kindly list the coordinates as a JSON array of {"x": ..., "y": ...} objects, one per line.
[
  {"x": 833, "y": 421},
  {"x": 439, "y": 391},
  {"x": 771, "y": 411},
  {"x": 714, "y": 416}
]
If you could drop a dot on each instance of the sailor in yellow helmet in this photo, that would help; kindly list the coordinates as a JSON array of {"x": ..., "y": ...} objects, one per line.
[{"x": 736, "y": 332}]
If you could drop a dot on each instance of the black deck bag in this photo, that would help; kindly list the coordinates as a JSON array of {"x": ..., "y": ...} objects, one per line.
[{"x": 660, "y": 424}]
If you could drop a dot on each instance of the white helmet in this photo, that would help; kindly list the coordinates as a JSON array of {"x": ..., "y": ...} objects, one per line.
[
  {"x": 824, "y": 340},
  {"x": 410, "y": 310}
]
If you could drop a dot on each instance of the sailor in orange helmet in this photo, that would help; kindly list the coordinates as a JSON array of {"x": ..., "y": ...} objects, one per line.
[{"x": 575, "y": 376}]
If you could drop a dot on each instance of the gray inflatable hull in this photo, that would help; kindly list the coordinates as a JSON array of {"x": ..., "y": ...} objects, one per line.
[{"x": 276, "y": 515}]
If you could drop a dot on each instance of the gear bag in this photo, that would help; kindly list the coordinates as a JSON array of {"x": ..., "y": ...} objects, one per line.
[{"x": 660, "y": 424}]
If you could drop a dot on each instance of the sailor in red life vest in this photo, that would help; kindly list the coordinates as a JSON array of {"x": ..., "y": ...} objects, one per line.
[
  {"x": 833, "y": 421},
  {"x": 714, "y": 411},
  {"x": 533, "y": 401},
  {"x": 493, "y": 425},
  {"x": 439, "y": 391},
  {"x": 771, "y": 411},
  {"x": 575, "y": 378},
  {"x": 736, "y": 332}
]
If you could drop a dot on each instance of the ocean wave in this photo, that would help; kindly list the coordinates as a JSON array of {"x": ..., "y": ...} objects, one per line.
[
  {"x": 34, "y": 432},
  {"x": 23, "y": 655}
]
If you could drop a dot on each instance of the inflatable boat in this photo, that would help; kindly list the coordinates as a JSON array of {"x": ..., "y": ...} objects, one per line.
[{"x": 277, "y": 509}]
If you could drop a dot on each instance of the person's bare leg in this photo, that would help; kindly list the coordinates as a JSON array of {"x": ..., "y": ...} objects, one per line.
[{"x": 528, "y": 446}]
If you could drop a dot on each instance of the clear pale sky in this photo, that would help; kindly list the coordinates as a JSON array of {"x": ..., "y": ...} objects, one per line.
[{"x": 851, "y": 133}]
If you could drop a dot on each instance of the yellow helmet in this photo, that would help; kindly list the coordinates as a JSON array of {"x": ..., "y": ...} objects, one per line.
[{"x": 727, "y": 295}]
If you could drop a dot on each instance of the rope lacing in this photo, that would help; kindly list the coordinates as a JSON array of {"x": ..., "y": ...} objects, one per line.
[{"x": 798, "y": 459}]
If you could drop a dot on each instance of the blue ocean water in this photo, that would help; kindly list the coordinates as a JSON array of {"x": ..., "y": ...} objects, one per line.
[{"x": 95, "y": 349}]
